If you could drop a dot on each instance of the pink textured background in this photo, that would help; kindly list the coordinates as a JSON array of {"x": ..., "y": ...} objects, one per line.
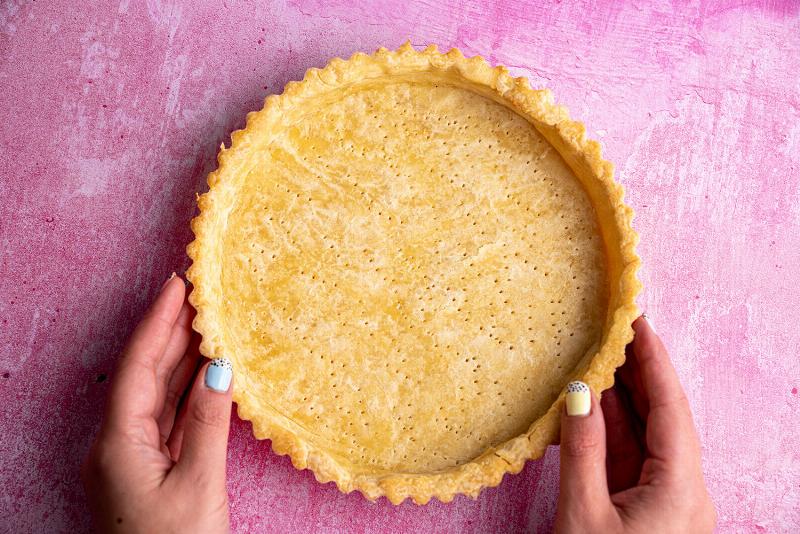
[{"x": 111, "y": 117}]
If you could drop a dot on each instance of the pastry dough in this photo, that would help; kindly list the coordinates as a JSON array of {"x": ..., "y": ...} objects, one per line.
[{"x": 407, "y": 256}]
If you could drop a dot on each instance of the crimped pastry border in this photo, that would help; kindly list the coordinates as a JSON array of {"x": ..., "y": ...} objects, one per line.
[{"x": 567, "y": 136}]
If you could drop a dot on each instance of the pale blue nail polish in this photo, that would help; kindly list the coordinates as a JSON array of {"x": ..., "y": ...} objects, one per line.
[{"x": 219, "y": 374}]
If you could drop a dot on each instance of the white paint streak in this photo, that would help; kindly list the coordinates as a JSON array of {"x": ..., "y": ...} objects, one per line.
[
  {"x": 174, "y": 72},
  {"x": 92, "y": 175}
]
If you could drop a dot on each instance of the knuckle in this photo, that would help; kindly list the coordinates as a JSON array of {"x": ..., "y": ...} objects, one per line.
[
  {"x": 208, "y": 413},
  {"x": 581, "y": 446},
  {"x": 678, "y": 401},
  {"x": 159, "y": 321},
  {"x": 587, "y": 518}
]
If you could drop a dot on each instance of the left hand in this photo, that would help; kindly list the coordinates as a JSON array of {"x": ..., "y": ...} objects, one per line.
[{"x": 152, "y": 469}]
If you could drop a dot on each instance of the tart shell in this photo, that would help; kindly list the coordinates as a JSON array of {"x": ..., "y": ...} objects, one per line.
[{"x": 568, "y": 137}]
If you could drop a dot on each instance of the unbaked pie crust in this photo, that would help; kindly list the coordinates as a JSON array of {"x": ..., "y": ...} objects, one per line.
[{"x": 406, "y": 256}]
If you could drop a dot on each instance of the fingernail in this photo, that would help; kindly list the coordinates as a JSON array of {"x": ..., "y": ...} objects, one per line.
[
  {"x": 579, "y": 399},
  {"x": 219, "y": 374},
  {"x": 649, "y": 321}
]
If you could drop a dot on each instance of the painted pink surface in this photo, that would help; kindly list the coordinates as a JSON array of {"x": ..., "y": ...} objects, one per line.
[{"x": 110, "y": 119}]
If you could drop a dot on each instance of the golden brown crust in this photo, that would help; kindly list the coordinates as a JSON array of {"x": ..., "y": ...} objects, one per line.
[{"x": 581, "y": 154}]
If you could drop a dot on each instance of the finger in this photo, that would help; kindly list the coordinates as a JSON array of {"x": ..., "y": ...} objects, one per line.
[
  {"x": 170, "y": 387},
  {"x": 177, "y": 388},
  {"x": 206, "y": 425},
  {"x": 659, "y": 379},
  {"x": 176, "y": 347},
  {"x": 583, "y": 486},
  {"x": 176, "y": 434},
  {"x": 175, "y": 440},
  {"x": 637, "y": 410},
  {"x": 671, "y": 437},
  {"x": 178, "y": 341},
  {"x": 134, "y": 389},
  {"x": 630, "y": 377},
  {"x": 624, "y": 454}
]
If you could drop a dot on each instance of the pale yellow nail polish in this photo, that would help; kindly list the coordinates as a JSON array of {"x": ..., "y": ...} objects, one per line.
[{"x": 579, "y": 399}]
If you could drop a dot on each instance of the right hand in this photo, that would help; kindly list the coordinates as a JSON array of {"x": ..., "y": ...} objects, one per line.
[{"x": 632, "y": 464}]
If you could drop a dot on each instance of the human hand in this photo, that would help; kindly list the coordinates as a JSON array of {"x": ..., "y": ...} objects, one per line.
[
  {"x": 632, "y": 464},
  {"x": 152, "y": 469}
]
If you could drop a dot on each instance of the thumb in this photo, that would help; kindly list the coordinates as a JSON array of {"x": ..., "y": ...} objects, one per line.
[
  {"x": 583, "y": 488},
  {"x": 204, "y": 445}
]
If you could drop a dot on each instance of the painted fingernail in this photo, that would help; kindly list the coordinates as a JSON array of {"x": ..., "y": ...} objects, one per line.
[
  {"x": 649, "y": 321},
  {"x": 219, "y": 374},
  {"x": 579, "y": 399}
]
